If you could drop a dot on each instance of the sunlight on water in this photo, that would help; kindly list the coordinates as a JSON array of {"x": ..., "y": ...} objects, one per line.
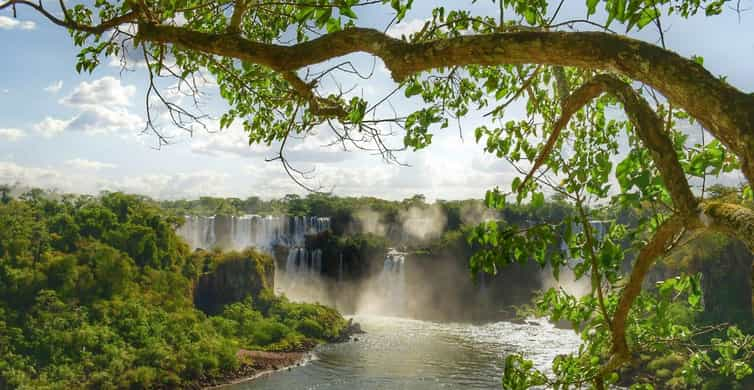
[{"x": 399, "y": 353}]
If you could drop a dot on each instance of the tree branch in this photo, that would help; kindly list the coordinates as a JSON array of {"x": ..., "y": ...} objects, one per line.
[
  {"x": 317, "y": 105},
  {"x": 655, "y": 248},
  {"x": 725, "y": 111},
  {"x": 649, "y": 127},
  {"x": 239, "y": 10}
]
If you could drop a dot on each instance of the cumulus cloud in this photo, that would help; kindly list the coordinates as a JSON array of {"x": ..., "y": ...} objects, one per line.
[
  {"x": 177, "y": 185},
  {"x": 101, "y": 120},
  {"x": 31, "y": 176},
  {"x": 50, "y": 127},
  {"x": 11, "y": 134},
  {"x": 7, "y": 23},
  {"x": 54, "y": 87},
  {"x": 93, "y": 120},
  {"x": 103, "y": 108},
  {"x": 107, "y": 91},
  {"x": 84, "y": 164}
]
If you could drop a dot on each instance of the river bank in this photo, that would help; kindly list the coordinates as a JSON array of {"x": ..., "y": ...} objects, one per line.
[{"x": 256, "y": 364}]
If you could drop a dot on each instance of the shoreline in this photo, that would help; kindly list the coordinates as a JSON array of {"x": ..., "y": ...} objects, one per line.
[
  {"x": 262, "y": 364},
  {"x": 256, "y": 364}
]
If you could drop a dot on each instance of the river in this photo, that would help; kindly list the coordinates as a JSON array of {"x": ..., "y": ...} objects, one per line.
[{"x": 399, "y": 353}]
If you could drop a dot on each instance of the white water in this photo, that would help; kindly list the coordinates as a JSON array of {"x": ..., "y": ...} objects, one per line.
[
  {"x": 399, "y": 353},
  {"x": 261, "y": 232},
  {"x": 300, "y": 279},
  {"x": 386, "y": 293}
]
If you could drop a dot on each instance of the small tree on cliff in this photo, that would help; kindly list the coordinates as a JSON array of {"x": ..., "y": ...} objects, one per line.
[{"x": 261, "y": 54}]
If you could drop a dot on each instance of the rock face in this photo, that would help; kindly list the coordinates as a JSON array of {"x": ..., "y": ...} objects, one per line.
[{"x": 232, "y": 277}]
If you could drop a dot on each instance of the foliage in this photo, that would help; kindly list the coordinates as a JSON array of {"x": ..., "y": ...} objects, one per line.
[{"x": 97, "y": 293}]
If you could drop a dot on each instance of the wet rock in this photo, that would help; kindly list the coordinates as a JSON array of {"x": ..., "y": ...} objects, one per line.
[{"x": 351, "y": 329}]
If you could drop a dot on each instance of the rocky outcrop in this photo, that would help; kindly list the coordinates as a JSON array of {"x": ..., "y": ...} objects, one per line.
[{"x": 231, "y": 277}]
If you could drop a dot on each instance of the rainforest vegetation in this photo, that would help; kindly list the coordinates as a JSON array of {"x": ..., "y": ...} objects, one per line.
[{"x": 98, "y": 292}]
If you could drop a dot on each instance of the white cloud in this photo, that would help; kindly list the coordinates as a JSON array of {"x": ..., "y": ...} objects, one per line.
[
  {"x": 7, "y": 23},
  {"x": 11, "y": 134},
  {"x": 28, "y": 176},
  {"x": 162, "y": 186},
  {"x": 406, "y": 28},
  {"x": 54, "y": 87},
  {"x": 177, "y": 185},
  {"x": 50, "y": 127},
  {"x": 107, "y": 91},
  {"x": 92, "y": 120},
  {"x": 80, "y": 163},
  {"x": 234, "y": 142},
  {"x": 103, "y": 109},
  {"x": 101, "y": 120}
]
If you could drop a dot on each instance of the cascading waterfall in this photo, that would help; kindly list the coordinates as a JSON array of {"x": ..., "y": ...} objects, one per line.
[
  {"x": 303, "y": 265},
  {"x": 301, "y": 279},
  {"x": 199, "y": 232},
  {"x": 261, "y": 232},
  {"x": 394, "y": 278},
  {"x": 386, "y": 295}
]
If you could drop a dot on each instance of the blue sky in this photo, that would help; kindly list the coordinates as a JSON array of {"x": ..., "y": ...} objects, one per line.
[{"x": 81, "y": 133}]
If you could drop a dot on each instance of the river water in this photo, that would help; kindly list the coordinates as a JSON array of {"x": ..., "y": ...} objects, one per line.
[{"x": 398, "y": 353}]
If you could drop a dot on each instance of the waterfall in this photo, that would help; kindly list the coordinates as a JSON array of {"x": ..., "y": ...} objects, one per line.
[
  {"x": 199, "y": 232},
  {"x": 301, "y": 277},
  {"x": 387, "y": 293},
  {"x": 301, "y": 280},
  {"x": 261, "y": 232}
]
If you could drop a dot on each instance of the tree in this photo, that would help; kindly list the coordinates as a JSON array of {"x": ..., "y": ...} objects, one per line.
[{"x": 456, "y": 63}]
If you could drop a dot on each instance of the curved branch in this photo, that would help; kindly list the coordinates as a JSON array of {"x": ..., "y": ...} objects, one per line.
[
  {"x": 649, "y": 127},
  {"x": 665, "y": 235},
  {"x": 726, "y": 112},
  {"x": 239, "y": 10}
]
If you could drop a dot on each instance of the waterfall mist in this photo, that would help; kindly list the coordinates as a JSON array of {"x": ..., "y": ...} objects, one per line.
[
  {"x": 474, "y": 213},
  {"x": 370, "y": 221},
  {"x": 423, "y": 223},
  {"x": 567, "y": 278}
]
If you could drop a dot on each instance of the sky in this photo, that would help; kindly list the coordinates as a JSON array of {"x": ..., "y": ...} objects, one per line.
[{"x": 82, "y": 133}]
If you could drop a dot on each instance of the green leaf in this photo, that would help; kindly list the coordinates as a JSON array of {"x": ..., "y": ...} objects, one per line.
[
  {"x": 591, "y": 7},
  {"x": 537, "y": 200},
  {"x": 348, "y": 12}
]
